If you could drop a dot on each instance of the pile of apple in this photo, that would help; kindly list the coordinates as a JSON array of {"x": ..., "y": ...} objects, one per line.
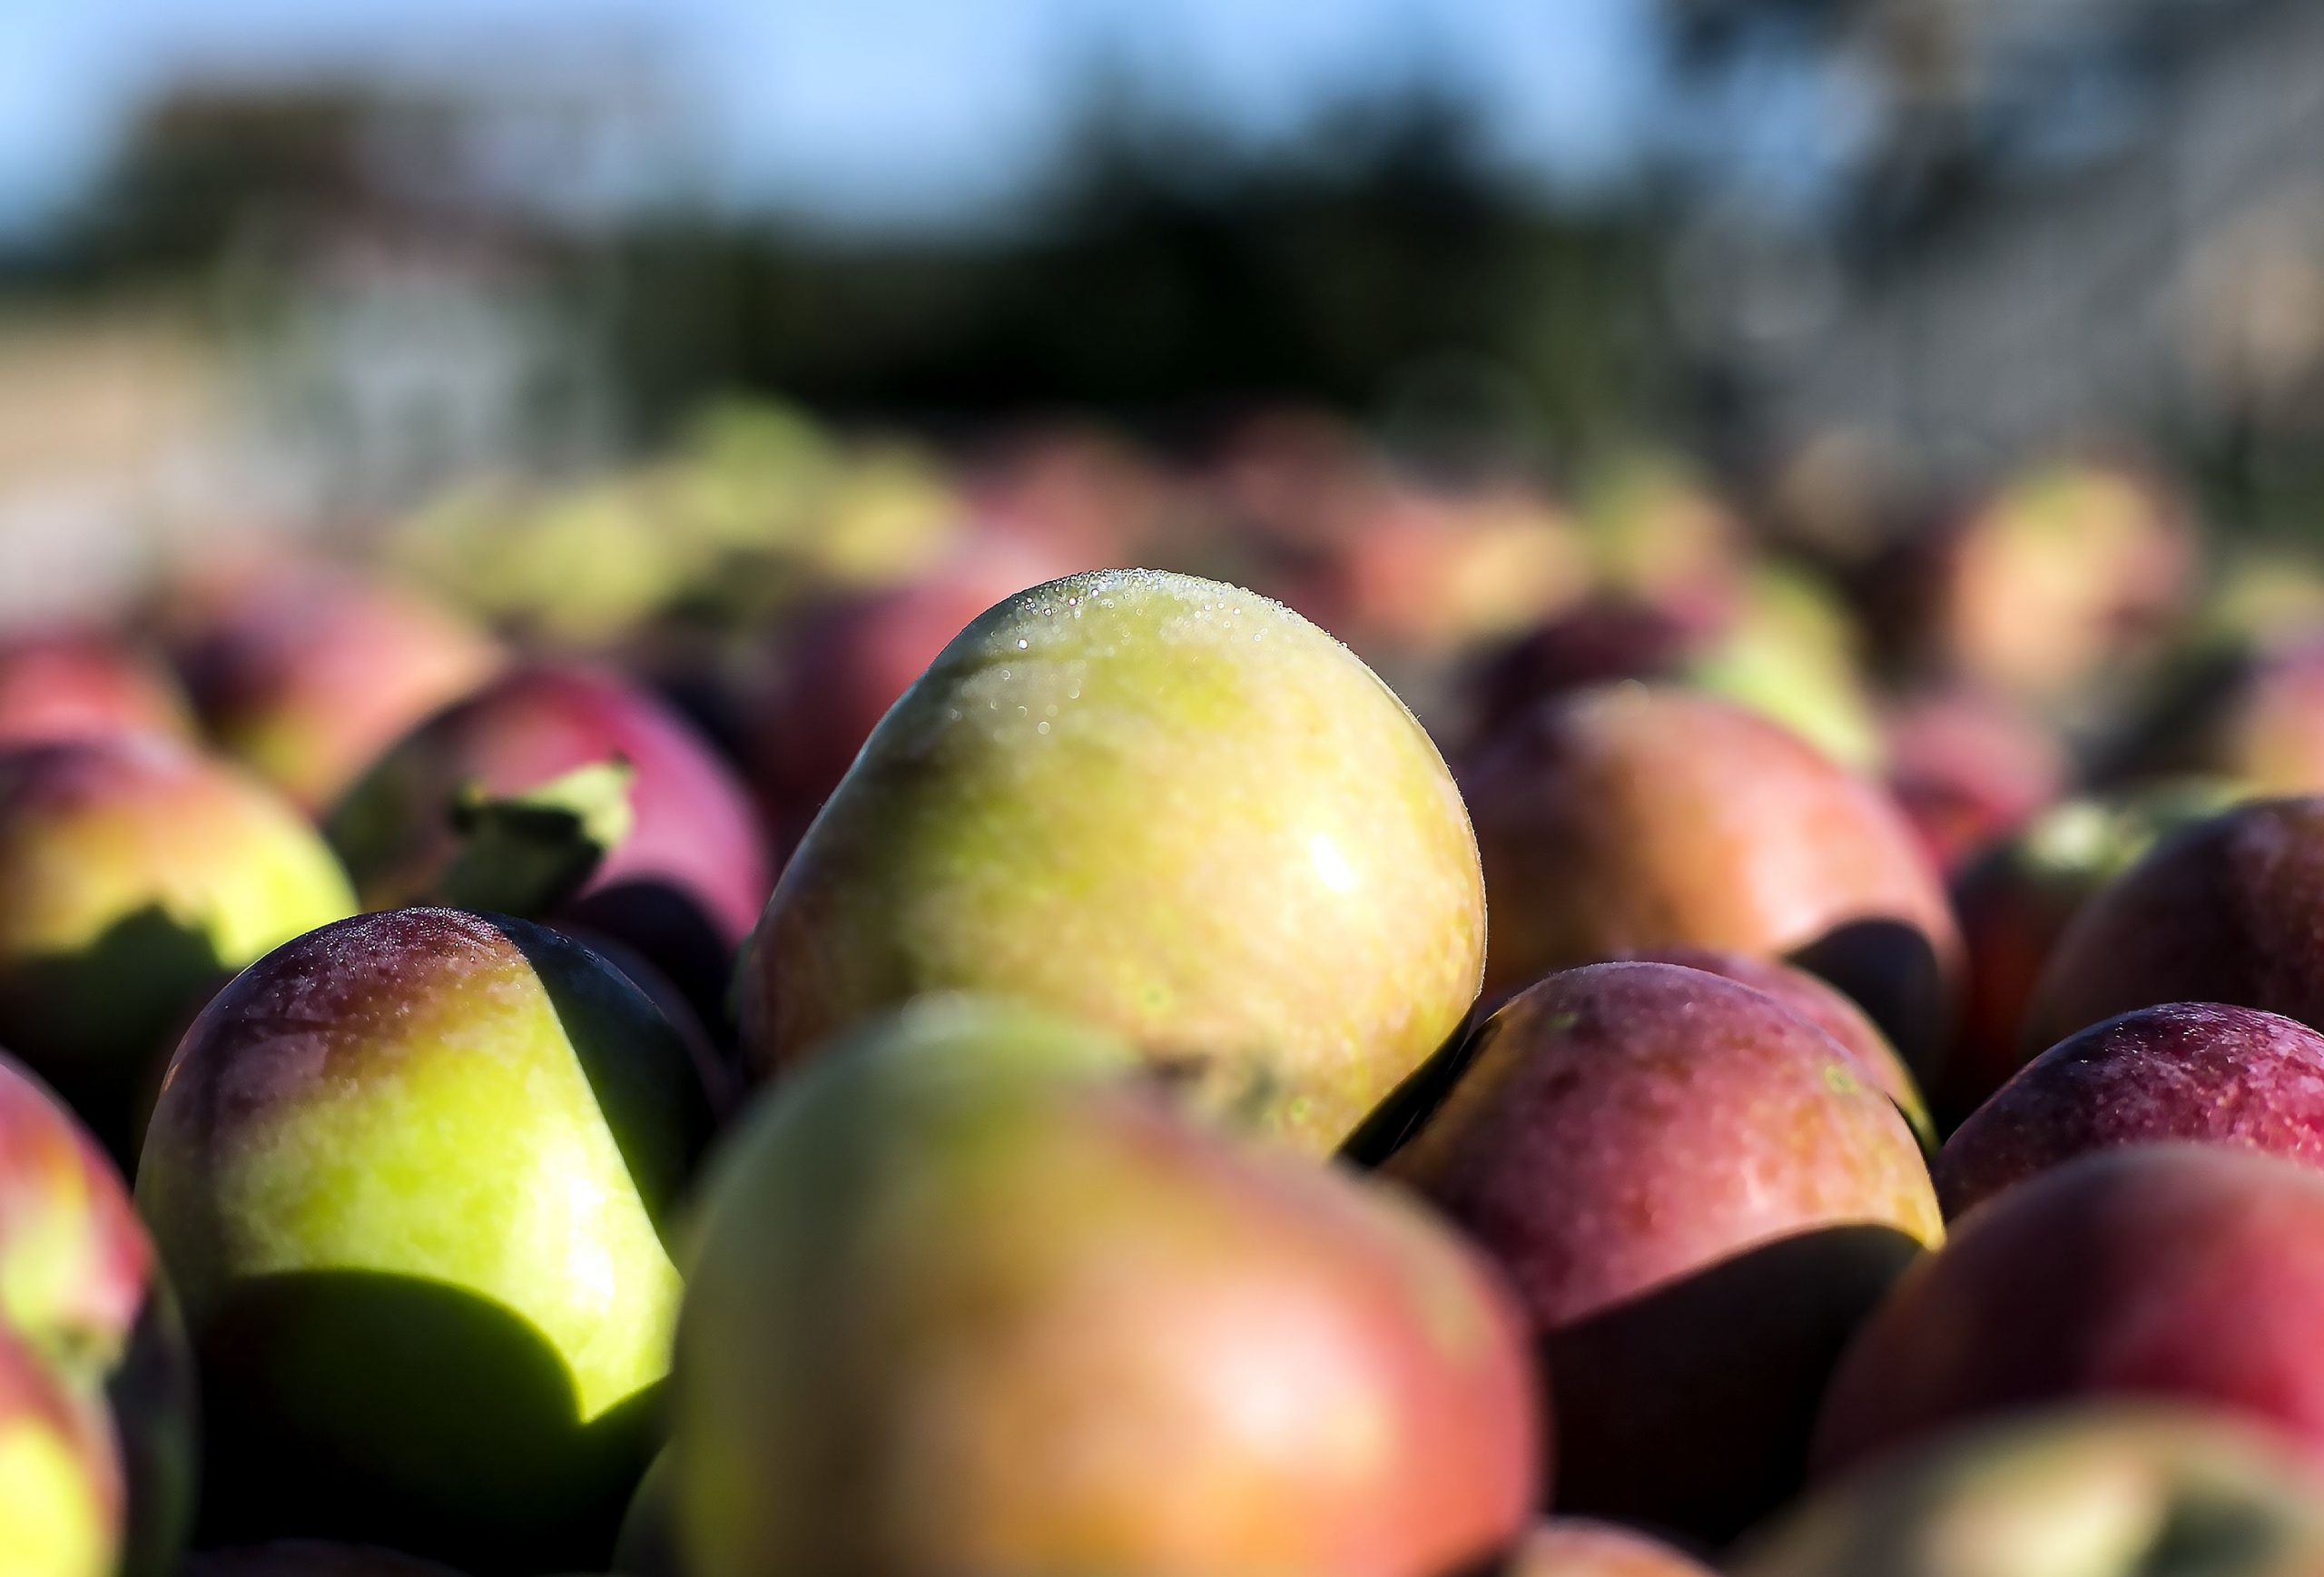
[{"x": 732, "y": 1022}]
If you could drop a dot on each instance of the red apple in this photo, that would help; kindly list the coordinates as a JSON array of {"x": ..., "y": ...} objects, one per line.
[
  {"x": 1969, "y": 768},
  {"x": 309, "y": 673},
  {"x": 2227, "y": 910},
  {"x": 684, "y": 886},
  {"x": 965, "y": 1298},
  {"x": 1821, "y": 1005},
  {"x": 1618, "y": 820},
  {"x": 1698, "y": 1195},
  {"x": 2015, "y": 900},
  {"x": 2190, "y": 1070},
  {"x": 74, "y": 684},
  {"x": 1572, "y": 1547},
  {"x": 2175, "y": 1272}
]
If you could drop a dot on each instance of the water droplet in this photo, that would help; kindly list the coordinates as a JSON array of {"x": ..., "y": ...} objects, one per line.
[
  {"x": 1041, "y": 728},
  {"x": 1021, "y": 643}
]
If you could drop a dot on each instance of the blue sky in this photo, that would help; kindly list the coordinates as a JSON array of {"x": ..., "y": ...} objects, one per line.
[{"x": 862, "y": 111}]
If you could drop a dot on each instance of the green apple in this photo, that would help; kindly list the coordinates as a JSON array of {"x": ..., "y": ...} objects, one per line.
[
  {"x": 413, "y": 1175},
  {"x": 1161, "y": 806},
  {"x": 138, "y": 875}
]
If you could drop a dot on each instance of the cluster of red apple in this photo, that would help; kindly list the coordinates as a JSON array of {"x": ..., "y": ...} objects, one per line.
[{"x": 1876, "y": 1137}]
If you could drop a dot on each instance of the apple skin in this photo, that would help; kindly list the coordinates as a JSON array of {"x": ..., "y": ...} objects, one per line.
[
  {"x": 1621, "y": 819},
  {"x": 1699, "y": 1196},
  {"x": 1969, "y": 768},
  {"x": 2223, "y": 911},
  {"x": 74, "y": 684},
  {"x": 2187, "y": 1070},
  {"x": 683, "y": 888},
  {"x": 138, "y": 876},
  {"x": 965, "y": 1297},
  {"x": 2093, "y": 1491},
  {"x": 2062, "y": 580},
  {"x": 309, "y": 1558},
  {"x": 60, "y": 1475},
  {"x": 2172, "y": 1271},
  {"x": 843, "y": 663},
  {"x": 1822, "y": 1005},
  {"x": 451, "y": 1143},
  {"x": 2017, "y": 897},
  {"x": 1574, "y": 1547},
  {"x": 81, "y": 1288},
  {"x": 1165, "y": 807},
  {"x": 307, "y": 674}
]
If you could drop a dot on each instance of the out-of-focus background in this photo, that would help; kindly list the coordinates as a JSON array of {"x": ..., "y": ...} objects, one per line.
[{"x": 313, "y": 265}]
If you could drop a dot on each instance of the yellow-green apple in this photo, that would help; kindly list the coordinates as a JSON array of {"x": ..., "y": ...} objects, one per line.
[
  {"x": 413, "y": 1175},
  {"x": 82, "y": 1291},
  {"x": 138, "y": 875},
  {"x": 2099, "y": 1490},
  {"x": 1624, "y": 818},
  {"x": 1699, "y": 1194},
  {"x": 1168, "y": 808},
  {"x": 60, "y": 1477},
  {"x": 966, "y": 1297}
]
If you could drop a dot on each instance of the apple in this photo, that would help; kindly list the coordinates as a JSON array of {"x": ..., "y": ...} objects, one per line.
[
  {"x": 1699, "y": 1194},
  {"x": 413, "y": 1175},
  {"x": 81, "y": 1290},
  {"x": 965, "y": 1297},
  {"x": 2062, "y": 581},
  {"x": 138, "y": 876},
  {"x": 1969, "y": 768},
  {"x": 1624, "y": 818},
  {"x": 2171, "y": 1271},
  {"x": 2188, "y": 1071},
  {"x": 841, "y": 664},
  {"x": 1574, "y": 1547},
  {"x": 1821, "y": 1005},
  {"x": 683, "y": 882},
  {"x": 60, "y": 1476},
  {"x": 2226, "y": 910},
  {"x": 2015, "y": 900},
  {"x": 2117, "y": 1489},
  {"x": 1161, "y": 806},
  {"x": 65, "y": 682},
  {"x": 308, "y": 673}
]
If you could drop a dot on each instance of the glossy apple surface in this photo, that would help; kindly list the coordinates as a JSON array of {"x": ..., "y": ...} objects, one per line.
[
  {"x": 965, "y": 1298},
  {"x": 2187, "y": 1070},
  {"x": 451, "y": 1145},
  {"x": 1165, "y": 807},
  {"x": 1623, "y": 819},
  {"x": 2174, "y": 1272},
  {"x": 1699, "y": 1195},
  {"x": 138, "y": 876}
]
